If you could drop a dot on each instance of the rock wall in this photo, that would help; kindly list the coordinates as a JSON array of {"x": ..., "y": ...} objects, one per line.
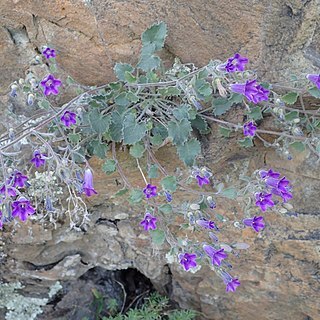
[
  {"x": 280, "y": 37},
  {"x": 280, "y": 272}
]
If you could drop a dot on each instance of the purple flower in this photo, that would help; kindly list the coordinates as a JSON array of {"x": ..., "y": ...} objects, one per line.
[
  {"x": 315, "y": 78},
  {"x": 10, "y": 190},
  {"x": 22, "y": 208},
  {"x": 236, "y": 63},
  {"x": 19, "y": 180},
  {"x": 257, "y": 223},
  {"x": 266, "y": 174},
  {"x": 150, "y": 191},
  {"x": 50, "y": 85},
  {"x": 277, "y": 184},
  {"x": 216, "y": 255},
  {"x": 38, "y": 159},
  {"x": 149, "y": 222},
  {"x": 264, "y": 201},
  {"x": 188, "y": 260},
  {"x": 69, "y": 118},
  {"x": 253, "y": 91},
  {"x": 249, "y": 129},
  {"x": 168, "y": 196},
  {"x": 207, "y": 224},
  {"x": 232, "y": 285},
  {"x": 49, "y": 53},
  {"x": 284, "y": 194},
  {"x": 88, "y": 188},
  {"x": 202, "y": 180}
]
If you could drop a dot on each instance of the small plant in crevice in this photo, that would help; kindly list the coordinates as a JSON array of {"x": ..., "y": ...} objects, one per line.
[
  {"x": 44, "y": 158},
  {"x": 154, "y": 307}
]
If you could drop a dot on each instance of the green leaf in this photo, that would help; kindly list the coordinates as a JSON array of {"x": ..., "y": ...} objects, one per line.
[
  {"x": 136, "y": 196},
  {"x": 225, "y": 132},
  {"x": 109, "y": 166},
  {"x": 70, "y": 80},
  {"x": 169, "y": 183},
  {"x": 290, "y": 116},
  {"x": 137, "y": 150},
  {"x": 129, "y": 77},
  {"x": 116, "y": 86},
  {"x": 230, "y": 193},
  {"x": 255, "y": 113},
  {"x": 189, "y": 151},
  {"x": 120, "y": 193},
  {"x": 221, "y": 106},
  {"x": 315, "y": 92},
  {"x": 122, "y": 100},
  {"x": 165, "y": 208},
  {"x": 53, "y": 68},
  {"x": 169, "y": 91},
  {"x": 99, "y": 149},
  {"x": 200, "y": 124},
  {"x": 120, "y": 70},
  {"x": 203, "y": 87},
  {"x": 132, "y": 97},
  {"x": 155, "y": 35},
  {"x": 156, "y": 140},
  {"x": 133, "y": 132},
  {"x": 153, "y": 171},
  {"x": 297, "y": 145},
  {"x": 148, "y": 63},
  {"x": 182, "y": 112},
  {"x": 116, "y": 126},
  {"x": 179, "y": 131},
  {"x": 290, "y": 98},
  {"x": 98, "y": 122},
  {"x": 44, "y": 104},
  {"x": 74, "y": 137},
  {"x": 246, "y": 142},
  {"x": 158, "y": 236}
]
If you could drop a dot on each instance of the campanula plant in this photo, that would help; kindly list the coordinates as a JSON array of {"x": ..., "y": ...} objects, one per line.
[{"x": 144, "y": 110}]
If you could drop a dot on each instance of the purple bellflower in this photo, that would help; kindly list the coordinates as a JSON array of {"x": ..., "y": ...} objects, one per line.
[
  {"x": 264, "y": 201},
  {"x": 19, "y": 180},
  {"x": 49, "y": 53},
  {"x": 50, "y": 85},
  {"x": 22, "y": 208},
  {"x": 168, "y": 196},
  {"x": 187, "y": 260},
  {"x": 249, "y": 129},
  {"x": 38, "y": 159},
  {"x": 232, "y": 285},
  {"x": 280, "y": 184},
  {"x": 315, "y": 78},
  {"x": 257, "y": 223},
  {"x": 149, "y": 222},
  {"x": 236, "y": 63},
  {"x": 253, "y": 91},
  {"x": 284, "y": 194},
  {"x": 216, "y": 255},
  {"x": 88, "y": 188},
  {"x": 206, "y": 224},
  {"x": 202, "y": 180},
  {"x": 150, "y": 191},
  {"x": 11, "y": 192},
  {"x": 69, "y": 118},
  {"x": 266, "y": 174}
]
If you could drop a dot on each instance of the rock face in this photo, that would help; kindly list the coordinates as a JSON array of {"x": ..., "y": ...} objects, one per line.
[
  {"x": 280, "y": 37},
  {"x": 280, "y": 272}
]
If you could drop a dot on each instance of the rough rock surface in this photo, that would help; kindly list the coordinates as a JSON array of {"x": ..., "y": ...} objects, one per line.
[
  {"x": 280, "y": 37},
  {"x": 280, "y": 272}
]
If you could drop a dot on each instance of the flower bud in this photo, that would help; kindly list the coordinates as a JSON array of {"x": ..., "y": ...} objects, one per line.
[{"x": 30, "y": 99}]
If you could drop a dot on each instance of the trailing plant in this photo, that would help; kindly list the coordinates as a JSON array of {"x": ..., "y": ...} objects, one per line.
[{"x": 148, "y": 108}]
